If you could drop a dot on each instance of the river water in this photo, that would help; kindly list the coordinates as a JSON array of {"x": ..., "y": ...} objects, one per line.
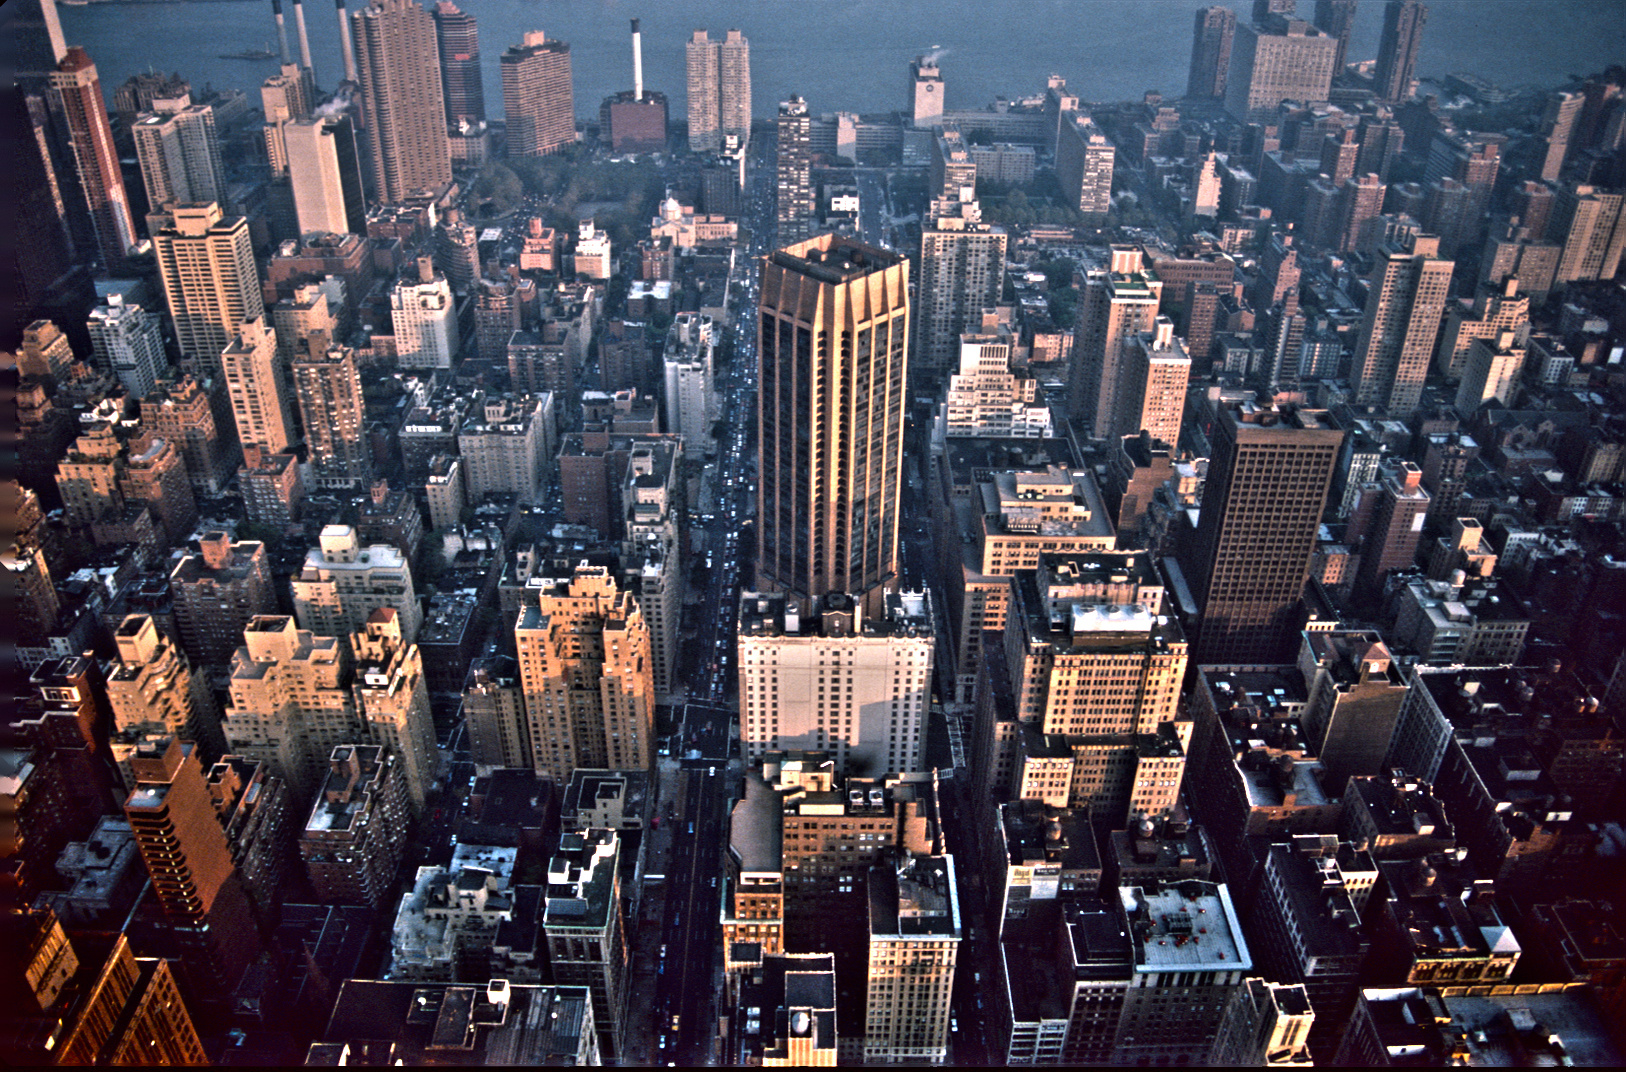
[{"x": 852, "y": 55}]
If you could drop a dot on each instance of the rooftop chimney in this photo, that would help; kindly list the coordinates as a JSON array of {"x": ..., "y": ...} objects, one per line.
[
  {"x": 637, "y": 63},
  {"x": 426, "y": 270}
]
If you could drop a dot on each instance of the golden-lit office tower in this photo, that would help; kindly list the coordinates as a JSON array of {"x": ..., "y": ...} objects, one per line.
[
  {"x": 393, "y": 699},
  {"x": 324, "y": 172},
  {"x": 856, "y": 688},
  {"x": 134, "y": 1015},
  {"x": 586, "y": 934},
  {"x": 1406, "y": 300},
  {"x": 833, "y": 348},
  {"x": 1274, "y": 60},
  {"x": 398, "y": 60},
  {"x": 962, "y": 273},
  {"x": 537, "y": 96},
  {"x": 1156, "y": 371},
  {"x": 189, "y": 863},
  {"x": 1116, "y": 305},
  {"x": 458, "y": 36},
  {"x": 284, "y": 97},
  {"x": 291, "y": 701},
  {"x": 77, "y": 90},
  {"x": 914, "y": 944},
  {"x": 87, "y": 477},
  {"x": 585, "y": 668},
  {"x": 206, "y": 261},
  {"x": 152, "y": 690},
  {"x": 1210, "y": 53},
  {"x": 832, "y": 830},
  {"x": 1267, "y": 485},
  {"x": 1403, "y": 22},
  {"x": 793, "y": 156},
  {"x": 327, "y": 387},
  {"x": 254, "y": 385},
  {"x": 179, "y": 154}
]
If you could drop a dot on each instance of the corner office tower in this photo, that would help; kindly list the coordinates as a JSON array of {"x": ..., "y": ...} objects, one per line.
[{"x": 833, "y": 329}]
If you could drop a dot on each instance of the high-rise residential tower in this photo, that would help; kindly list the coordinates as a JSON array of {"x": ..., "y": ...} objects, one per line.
[
  {"x": 458, "y": 38},
  {"x": 1405, "y": 303},
  {"x": 962, "y": 273},
  {"x": 254, "y": 384},
  {"x": 794, "y": 160},
  {"x": 719, "y": 91},
  {"x": 1267, "y": 484},
  {"x": 426, "y": 333},
  {"x": 537, "y": 96},
  {"x": 1403, "y": 22},
  {"x": 1337, "y": 19},
  {"x": 327, "y": 389},
  {"x": 1211, "y": 53},
  {"x": 325, "y": 172},
  {"x": 397, "y": 56},
  {"x": 1275, "y": 60},
  {"x": 734, "y": 88},
  {"x": 1116, "y": 304},
  {"x": 1156, "y": 371},
  {"x": 78, "y": 92},
  {"x": 179, "y": 154},
  {"x": 206, "y": 261},
  {"x": 127, "y": 342},
  {"x": 705, "y": 126},
  {"x": 1085, "y": 158},
  {"x": 833, "y": 328}
]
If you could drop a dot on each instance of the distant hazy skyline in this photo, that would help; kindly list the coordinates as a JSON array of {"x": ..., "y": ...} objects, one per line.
[{"x": 851, "y": 55}]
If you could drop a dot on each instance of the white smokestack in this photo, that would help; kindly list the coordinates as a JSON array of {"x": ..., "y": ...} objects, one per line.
[
  {"x": 637, "y": 63},
  {"x": 282, "y": 29},
  {"x": 344, "y": 43},
  {"x": 304, "y": 39}
]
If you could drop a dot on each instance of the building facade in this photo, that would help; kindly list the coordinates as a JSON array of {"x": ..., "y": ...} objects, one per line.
[{"x": 833, "y": 349}]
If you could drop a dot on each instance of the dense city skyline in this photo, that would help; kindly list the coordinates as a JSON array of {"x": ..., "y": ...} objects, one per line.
[{"x": 525, "y": 552}]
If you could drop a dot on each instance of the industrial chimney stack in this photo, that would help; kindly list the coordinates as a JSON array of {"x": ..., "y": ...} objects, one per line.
[
  {"x": 282, "y": 30},
  {"x": 345, "y": 45},
  {"x": 637, "y": 63}
]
